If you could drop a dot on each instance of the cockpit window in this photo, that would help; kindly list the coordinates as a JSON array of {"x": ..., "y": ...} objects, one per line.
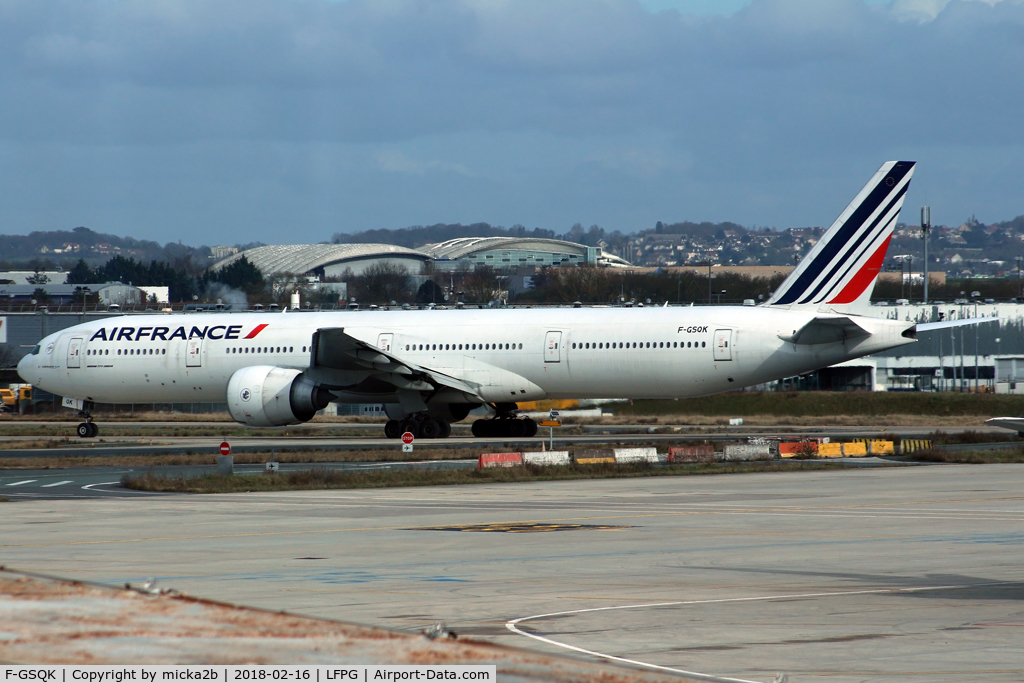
[{"x": 35, "y": 350}]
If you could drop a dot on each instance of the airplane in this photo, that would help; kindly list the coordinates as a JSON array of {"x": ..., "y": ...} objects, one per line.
[{"x": 431, "y": 368}]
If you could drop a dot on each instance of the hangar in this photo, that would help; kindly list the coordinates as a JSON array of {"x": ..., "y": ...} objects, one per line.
[
  {"x": 326, "y": 260},
  {"x": 331, "y": 260},
  {"x": 513, "y": 252}
]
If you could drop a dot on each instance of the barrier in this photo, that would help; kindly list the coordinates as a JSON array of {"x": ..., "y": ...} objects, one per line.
[
  {"x": 878, "y": 447},
  {"x": 911, "y": 445},
  {"x": 500, "y": 460},
  {"x": 855, "y": 449},
  {"x": 594, "y": 457},
  {"x": 747, "y": 451},
  {"x": 830, "y": 450},
  {"x": 691, "y": 454},
  {"x": 546, "y": 458},
  {"x": 794, "y": 448},
  {"x": 634, "y": 455}
]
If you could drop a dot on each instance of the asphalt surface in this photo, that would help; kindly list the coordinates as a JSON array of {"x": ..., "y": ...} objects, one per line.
[
  {"x": 880, "y": 574},
  {"x": 95, "y": 482}
]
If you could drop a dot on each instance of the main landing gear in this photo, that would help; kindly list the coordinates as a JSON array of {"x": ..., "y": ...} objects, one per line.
[
  {"x": 420, "y": 427},
  {"x": 505, "y": 424},
  {"x": 87, "y": 429}
]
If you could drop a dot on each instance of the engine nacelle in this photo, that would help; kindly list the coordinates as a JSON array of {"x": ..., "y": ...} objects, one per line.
[{"x": 269, "y": 396}]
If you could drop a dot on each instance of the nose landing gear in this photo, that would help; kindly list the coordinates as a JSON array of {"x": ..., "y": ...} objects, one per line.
[{"x": 87, "y": 429}]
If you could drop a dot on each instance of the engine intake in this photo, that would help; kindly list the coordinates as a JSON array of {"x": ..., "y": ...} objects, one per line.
[{"x": 269, "y": 396}]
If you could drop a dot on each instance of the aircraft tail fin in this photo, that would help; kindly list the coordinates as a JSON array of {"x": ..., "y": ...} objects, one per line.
[{"x": 839, "y": 272}]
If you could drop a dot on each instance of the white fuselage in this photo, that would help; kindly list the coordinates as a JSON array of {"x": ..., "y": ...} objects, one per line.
[{"x": 564, "y": 353}]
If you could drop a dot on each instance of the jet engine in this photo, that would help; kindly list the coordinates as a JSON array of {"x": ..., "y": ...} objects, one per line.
[{"x": 269, "y": 396}]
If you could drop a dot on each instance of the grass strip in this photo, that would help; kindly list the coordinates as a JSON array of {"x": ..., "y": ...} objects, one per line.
[
  {"x": 303, "y": 456},
  {"x": 323, "y": 478},
  {"x": 993, "y": 457},
  {"x": 829, "y": 403}
]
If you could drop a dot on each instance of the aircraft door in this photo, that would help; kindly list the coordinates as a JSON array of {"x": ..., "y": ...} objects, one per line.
[
  {"x": 553, "y": 347},
  {"x": 194, "y": 353},
  {"x": 723, "y": 344},
  {"x": 385, "y": 340},
  {"x": 75, "y": 353}
]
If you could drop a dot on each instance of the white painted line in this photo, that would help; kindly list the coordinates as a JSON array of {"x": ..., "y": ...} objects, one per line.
[
  {"x": 513, "y": 624},
  {"x": 88, "y": 487},
  {"x": 56, "y": 483},
  {"x": 19, "y": 483}
]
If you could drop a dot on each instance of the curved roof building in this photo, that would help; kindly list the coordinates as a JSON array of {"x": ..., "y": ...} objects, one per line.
[
  {"x": 506, "y": 252},
  {"x": 326, "y": 259}
]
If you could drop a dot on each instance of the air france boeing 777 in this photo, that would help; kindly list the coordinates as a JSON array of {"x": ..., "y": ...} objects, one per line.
[{"x": 430, "y": 368}]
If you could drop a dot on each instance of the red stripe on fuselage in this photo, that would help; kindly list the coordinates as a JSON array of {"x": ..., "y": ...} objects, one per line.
[
  {"x": 256, "y": 330},
  {"x": 855, "y": 287}
]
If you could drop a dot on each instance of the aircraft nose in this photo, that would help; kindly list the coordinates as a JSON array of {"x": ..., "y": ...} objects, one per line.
[{"x": 25, "y": 367}]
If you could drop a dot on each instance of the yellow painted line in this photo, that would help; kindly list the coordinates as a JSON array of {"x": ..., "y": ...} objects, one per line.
[{"x": 595, "y": 461}]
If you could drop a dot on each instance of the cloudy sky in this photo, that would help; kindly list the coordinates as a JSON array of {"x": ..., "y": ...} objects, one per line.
[{"x": 227, "y": 121}]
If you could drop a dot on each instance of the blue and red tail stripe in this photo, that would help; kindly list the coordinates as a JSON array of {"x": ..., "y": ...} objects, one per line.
[{"x": 847, "y": 259}]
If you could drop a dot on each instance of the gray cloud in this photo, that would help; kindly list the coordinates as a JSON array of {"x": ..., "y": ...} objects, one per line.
[{"x": 341, "y": 115}]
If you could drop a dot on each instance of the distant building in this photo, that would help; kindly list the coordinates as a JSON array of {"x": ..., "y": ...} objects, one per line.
[{"x": 221, "y": 252}]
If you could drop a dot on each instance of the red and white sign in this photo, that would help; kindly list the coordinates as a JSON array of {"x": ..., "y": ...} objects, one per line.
[
  {"x": 225, "y": 448},
  {"x": 407, "y": 438}
]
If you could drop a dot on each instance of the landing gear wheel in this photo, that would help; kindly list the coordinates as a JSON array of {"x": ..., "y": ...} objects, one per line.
[
  {"x": 412, "y": 427},
  {"x": 516, "y": 429},
  {"x": 84, "y": 430},
  {"x": 446, "y": 429},
  {"x": 481, "y": 428},
  {"x": 392, "y": 429},
  {"x": 429, "y": 429},
  {"x": 531, "y": 427},
  {"x": 94, "y": 429}
]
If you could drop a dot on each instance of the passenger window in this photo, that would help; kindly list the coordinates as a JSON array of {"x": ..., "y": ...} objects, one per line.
[
  {"x": 703, "y": 344},
  {"x": 520, "y": 346}
]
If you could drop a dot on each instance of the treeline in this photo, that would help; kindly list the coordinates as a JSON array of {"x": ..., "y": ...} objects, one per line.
[{"x": 182, "y": 282}]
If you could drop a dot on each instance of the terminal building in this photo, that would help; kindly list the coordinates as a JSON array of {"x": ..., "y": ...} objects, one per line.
[{"x": 502, "y": 253}]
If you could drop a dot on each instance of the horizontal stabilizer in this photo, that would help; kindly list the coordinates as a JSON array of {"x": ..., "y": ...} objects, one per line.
[
  {"x": 942, "y": 324},
  {"x": 826, "y": 331},
  {"x": 1014, "y": 423}
]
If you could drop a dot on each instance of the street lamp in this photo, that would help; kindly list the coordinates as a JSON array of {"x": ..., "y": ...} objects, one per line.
[
  {"x": 926, "y": 224},
  {"x": 1020, "y": 292},
  {"x": 85, "y": 294}
]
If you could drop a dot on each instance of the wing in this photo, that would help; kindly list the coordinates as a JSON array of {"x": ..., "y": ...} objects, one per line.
[{"x": 351, "y": 360}]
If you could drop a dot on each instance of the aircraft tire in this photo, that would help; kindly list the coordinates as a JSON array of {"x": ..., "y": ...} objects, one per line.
[
  {"x": 411, "y": 426},
  {"x": 94, "y": 430},
  {"x": 83, "y": 430},
  {"x": 481, "y": 428},
  {"x": 516, "y": 428},
  {"x": 392, "y": 429},
  {"x": 531, "y": 427},
  {"x": 430, "y": 429},
  {"x": 446, "y": 429}
]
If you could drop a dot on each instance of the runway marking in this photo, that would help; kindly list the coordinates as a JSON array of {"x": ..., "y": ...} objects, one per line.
[
  {"x": 19, "y": 483},
  {"x": 513, "y": 624},
  {"x": 519, "y": 527},
  {"x": 56, "y": 483}
]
